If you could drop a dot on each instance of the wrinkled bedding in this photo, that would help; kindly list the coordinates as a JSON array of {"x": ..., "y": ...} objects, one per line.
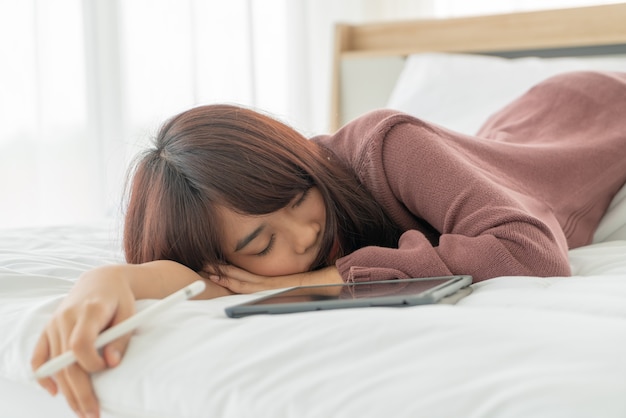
[{"x": 516, "y": 347}]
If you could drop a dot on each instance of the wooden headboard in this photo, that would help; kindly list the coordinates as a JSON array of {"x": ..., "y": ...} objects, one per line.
[{"x": 383, "y": 46}]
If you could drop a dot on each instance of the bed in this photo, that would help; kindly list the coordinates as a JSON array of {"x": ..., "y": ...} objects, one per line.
[{"x": 515, "y": 347}]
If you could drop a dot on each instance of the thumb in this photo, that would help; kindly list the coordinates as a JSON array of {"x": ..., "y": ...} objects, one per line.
[{"x": 114, "y": 352}]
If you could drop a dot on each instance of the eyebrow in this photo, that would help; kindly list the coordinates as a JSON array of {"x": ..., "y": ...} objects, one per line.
[{"x": 246, "y": 240}]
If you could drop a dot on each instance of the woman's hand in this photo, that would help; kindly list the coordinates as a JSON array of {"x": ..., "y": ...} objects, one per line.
[
  {"x": 100, "y": 299},
  {"x": 242, "y": 281}
]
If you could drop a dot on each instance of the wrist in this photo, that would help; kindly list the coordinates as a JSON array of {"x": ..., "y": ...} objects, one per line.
[{"x": 327, "y": 275}]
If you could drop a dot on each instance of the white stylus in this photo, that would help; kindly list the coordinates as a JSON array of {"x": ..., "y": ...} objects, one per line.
[{"x": 60, "y": 362}]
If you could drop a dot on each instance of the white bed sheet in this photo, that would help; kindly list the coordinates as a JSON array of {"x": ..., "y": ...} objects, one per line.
[{"x": 516, "y": 347}]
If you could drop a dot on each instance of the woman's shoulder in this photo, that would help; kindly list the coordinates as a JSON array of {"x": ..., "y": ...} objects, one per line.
[
  {"x": 370, "y": 126},
  {"x": 357, "y": 137},
  {"x": 376, "y": 120}
]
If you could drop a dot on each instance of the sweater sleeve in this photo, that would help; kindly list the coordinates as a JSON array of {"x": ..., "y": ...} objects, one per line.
[{"x": 487, "y": 229}]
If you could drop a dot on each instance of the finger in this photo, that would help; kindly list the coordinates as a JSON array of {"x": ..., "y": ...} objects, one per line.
[
  {"x": 79, "y": 383},
  {"x": 55, "y": 350},
  {"x": 93, "y": 318},
  {"x": 41, "y": 354},
  {"x": 223, "y": 281},
  {"x": 115, "y": 350},
  {"x": 66, "y": 391},
  {"x": 246, "y": 279},
  {"x": 238, "y": 273},
  {"x": 77, "y": 331},
  {"x": 233, "y": 285}
]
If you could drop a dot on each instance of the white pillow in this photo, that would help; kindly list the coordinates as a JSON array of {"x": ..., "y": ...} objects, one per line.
[
  {"x": 612, "y": 227},
  {"x": 460, "y": 91}
]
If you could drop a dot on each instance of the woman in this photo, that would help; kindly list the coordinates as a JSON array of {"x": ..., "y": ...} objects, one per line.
[{"x": 247, "y": 203}]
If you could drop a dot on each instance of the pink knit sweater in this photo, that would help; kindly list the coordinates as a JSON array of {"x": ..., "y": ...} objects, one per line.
[{"x": 534, "y": 181}]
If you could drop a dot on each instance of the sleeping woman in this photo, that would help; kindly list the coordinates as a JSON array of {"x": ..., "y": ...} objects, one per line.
[{"x": 247, "y": 203}]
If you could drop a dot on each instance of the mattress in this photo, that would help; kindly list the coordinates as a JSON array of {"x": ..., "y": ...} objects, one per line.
[{"x": 516, "y": 347}]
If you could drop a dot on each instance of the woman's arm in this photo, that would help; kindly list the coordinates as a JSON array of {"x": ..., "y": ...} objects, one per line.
[
  {"x": 475, "y": 192},
  {"x": 488, "y": 229},
  {"x": 101, "y": 298},
  {"x": 157, "y": 279},
  {"x": 242, "y": 281}
]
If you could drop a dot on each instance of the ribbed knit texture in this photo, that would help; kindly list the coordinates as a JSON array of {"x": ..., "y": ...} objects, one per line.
[{"x": 533, "y": 182}]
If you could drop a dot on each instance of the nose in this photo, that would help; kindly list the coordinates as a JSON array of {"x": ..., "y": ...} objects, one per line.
[{"x": 304, "y": 235}]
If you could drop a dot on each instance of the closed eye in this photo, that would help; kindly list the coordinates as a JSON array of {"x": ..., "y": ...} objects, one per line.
[
  {"x": 301, "y": 199},
  {"x": 269, "y": 247}
]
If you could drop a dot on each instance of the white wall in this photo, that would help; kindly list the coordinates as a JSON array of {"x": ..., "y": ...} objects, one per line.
[{"x": 85, "y": 83}]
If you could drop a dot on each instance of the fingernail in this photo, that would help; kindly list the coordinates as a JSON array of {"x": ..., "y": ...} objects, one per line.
[
  {"x": 114, "y": 358},
  {"x": 214, "y": 278}
]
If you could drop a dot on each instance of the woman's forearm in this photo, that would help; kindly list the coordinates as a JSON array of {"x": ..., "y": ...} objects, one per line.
[{"x": 158, "y": 279}]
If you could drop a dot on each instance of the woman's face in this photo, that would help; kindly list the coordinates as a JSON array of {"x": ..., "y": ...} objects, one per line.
[{"x": 283, "y": 242}]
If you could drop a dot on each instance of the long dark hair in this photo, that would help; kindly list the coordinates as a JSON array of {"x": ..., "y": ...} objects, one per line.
[{"x": 229, "y": 156}]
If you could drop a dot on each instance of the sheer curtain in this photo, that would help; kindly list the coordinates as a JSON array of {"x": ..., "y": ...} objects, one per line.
[
  {"x": 84, "y": 84},
  {"x": 43, "y": 114}
]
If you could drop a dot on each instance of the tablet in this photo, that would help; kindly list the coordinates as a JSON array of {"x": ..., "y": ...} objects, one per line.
[{"x": 398, "y": 293}]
